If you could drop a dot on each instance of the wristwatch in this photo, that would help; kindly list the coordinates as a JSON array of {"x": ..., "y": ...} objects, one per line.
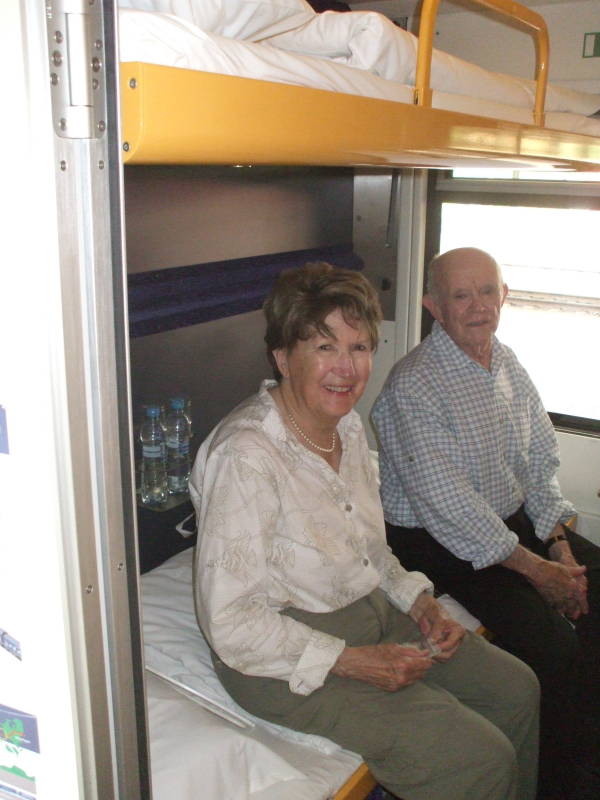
[{"x": 560, "y": 537}]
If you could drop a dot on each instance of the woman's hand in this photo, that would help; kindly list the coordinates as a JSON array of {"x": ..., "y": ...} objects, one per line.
[
  {"x": 387, "y": 666},
  {"x": 437, "y": 625}
]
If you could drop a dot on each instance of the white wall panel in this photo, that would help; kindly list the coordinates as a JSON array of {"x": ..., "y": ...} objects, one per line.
[
  {"x": 487, "y": 42},
  {"x": 579, "y": 478}
]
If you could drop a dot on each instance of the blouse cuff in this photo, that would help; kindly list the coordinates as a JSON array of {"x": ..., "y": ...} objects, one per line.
[
  {"x": 319, "y": 656},
  {"x": 413, "y": 584}
]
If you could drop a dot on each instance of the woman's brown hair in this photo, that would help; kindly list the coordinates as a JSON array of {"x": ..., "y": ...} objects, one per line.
[{"x": 303, "y": 298}]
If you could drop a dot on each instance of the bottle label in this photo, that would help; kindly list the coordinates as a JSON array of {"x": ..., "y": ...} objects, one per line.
[
  {"x": 182, "y": 447},
  {"x": 152, "y": 451}
]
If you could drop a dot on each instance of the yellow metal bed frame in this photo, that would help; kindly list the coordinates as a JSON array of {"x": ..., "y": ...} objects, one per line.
[
  {"x": 358, "y": 785},
  {"x": 180, "y": 116}
]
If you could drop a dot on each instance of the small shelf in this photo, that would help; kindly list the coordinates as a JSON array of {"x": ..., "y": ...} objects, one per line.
[
  {"x": 173, "y": 501},
  {"x": 158, "y": 537}
]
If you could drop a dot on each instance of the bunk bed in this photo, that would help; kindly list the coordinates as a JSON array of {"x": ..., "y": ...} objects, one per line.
[
  {"x": 199, "y": 737},
  {"x": 314, "y": 112},
  {"x": 196, "y": 114}
]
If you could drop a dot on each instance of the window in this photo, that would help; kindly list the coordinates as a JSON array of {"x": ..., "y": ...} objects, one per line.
[
  {"x": 526, "y": 175},
  {"x": 548, "y": 252}
]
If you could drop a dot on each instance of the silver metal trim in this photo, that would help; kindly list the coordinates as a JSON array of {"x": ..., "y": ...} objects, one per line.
[
  {"x": 76, "y": 56},
  {"x": 101, "y": 562},
  {"x": 518, "y": 186},
  {"x": 411, "y": 250}
]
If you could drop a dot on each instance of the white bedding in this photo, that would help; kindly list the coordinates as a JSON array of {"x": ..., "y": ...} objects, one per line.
[
  {"x": 194, "y": 752},
  {"x": 195, "y": 755},
  {"x": 173, "y": 41}
]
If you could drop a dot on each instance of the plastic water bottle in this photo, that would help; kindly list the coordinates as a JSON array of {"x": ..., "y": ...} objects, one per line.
[
  {"x": 187, "y": 410},
  {"x": 178, "y": 447},
  {"x": 154, "y": 474}
]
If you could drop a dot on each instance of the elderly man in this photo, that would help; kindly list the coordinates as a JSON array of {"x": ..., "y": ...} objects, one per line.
[{"x": 468, "y": 482}]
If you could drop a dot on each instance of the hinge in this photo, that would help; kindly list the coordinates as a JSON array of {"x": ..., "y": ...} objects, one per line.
[{"x": 76, "y": 50}]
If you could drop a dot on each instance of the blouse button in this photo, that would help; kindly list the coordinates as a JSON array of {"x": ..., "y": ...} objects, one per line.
[
  {"x": 366, "y": 562},
  {"x": 348, "y": 507}
]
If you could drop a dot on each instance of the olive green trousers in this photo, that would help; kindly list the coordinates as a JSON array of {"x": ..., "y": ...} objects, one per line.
[{"x": 469, "y": 729}]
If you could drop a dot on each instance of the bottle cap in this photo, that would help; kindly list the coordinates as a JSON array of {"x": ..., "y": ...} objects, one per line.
[
  {"x": 153, "y": 412},
  {"x": 177, "y": 403}
]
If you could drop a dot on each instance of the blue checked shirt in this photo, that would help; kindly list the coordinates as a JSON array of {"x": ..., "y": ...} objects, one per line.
[{"x": 462, "y": 448}]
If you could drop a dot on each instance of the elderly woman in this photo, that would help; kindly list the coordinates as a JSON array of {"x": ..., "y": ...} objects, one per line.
[{"x": 313, "y": 623}]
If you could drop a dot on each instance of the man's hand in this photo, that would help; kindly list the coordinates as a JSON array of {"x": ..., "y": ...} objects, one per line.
[
  {"x": 562, "y": 584},
  {"x": 387, "y": 666},
  {"x": 561, "y": 553},
  {"x": 437, "y": 625}
]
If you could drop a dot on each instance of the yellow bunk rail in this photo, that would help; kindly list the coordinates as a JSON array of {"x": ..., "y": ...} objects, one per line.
[
  {"x": 517, "y": 13},
  {"x": 180, "y": 116}
]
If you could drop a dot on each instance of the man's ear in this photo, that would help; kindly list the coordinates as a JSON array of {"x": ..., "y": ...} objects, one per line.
[
  {"x": 280, "y": 356},
  {"x": 433, "y": 308},
  {"x": 504, "y": 293}
]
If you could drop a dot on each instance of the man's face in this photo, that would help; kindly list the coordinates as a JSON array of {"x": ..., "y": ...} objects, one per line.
[{"x": 470, "y": 296}]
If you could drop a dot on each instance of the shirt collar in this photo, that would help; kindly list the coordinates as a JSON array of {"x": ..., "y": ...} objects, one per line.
[{"x": 453, "y": 358}]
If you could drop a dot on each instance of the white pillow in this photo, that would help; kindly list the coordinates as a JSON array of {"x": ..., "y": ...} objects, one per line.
[
  {"x": 362, "y": 39},
  {"x": 236, "y": 19},
  {"x": 558, "y": 98}
]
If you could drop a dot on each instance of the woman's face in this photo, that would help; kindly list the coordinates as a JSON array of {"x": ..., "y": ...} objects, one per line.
[{"x": 327, "y": 374}]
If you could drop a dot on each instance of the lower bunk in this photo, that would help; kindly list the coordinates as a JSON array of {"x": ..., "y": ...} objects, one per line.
[{"x": 202, "y": 745}]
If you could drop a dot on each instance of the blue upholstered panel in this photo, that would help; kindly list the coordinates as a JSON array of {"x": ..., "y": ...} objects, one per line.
[{"x": 176, "y": 297}]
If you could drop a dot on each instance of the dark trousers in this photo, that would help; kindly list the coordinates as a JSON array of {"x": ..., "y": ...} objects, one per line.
[{"x": 566, "y": 658}]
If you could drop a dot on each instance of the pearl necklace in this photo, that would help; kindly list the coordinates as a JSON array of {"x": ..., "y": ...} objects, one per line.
[{"x": 318, "y": 447}]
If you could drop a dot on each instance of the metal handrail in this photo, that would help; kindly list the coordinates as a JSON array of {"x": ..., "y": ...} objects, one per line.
[{"x": 516, "y": 12}]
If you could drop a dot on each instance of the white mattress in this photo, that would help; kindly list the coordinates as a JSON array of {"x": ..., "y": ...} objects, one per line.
[
  {"x": 172, "y": 41},
  {"x": 195, "y": 753}
]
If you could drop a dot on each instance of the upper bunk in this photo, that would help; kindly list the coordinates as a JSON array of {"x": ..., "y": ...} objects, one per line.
[{"x": 255, "y": 103}]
